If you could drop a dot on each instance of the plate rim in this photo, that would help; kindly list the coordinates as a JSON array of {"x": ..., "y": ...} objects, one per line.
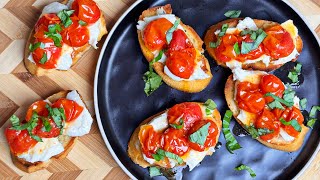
[{"x": 95, "y": 89}]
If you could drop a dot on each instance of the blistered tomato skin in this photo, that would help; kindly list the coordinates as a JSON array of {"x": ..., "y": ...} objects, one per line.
[
  {"x": 271, "y": 84},
  {"x": 75, "y": 35},
  {"x": 150, "y": 140},
  {"x": 290, "y": 114},
  {"x": 39, "y": 107},
  {"x": 86, "y": 10},
  {"x": 154, "y": 34},
  {"x": 71, "y": 108},
  {"x": 269, "y": 121},
  {"x": 211, "y": 138},
  {"x": 175, "y": 141},
  {"x": 189, "y": 112},
  {"x": 19, "y": 141}
]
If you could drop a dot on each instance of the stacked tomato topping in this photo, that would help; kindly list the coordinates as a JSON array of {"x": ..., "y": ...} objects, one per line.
[
  {"x": 180, "y": 52},
  {"x": 251, "y": 98},
  {"x": 42, "y": 121},
  {"x": 68, "y": 27},
  {"x": 277, "y": 44},
  {"x": 190, "y": 118}
]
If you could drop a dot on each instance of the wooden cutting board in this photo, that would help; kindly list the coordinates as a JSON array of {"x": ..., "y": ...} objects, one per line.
[{"x": 18, "y": 89}]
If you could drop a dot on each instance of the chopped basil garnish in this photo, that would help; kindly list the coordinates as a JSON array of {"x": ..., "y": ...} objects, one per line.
[
  {"x": 236, "y": 48},
  {"x": 200, "y": 136},
  {"x": 14, "y": 121},
  {"x": 245, "y": 32},
  {"x": 58, "y": 115},
  {"x": 160, "y": 154},
  {"x": 210, "y": 106},
  {"x": 258, "y": 36},
  {"x": 232, "y": 13},
  {"x": 152, "y": 80},
  {"x": 44, "y": 58},
  {"x": 294, "y": 123},
  {"x": 178, "y": 126},
  {"x": 171, "y": 30},
  {"x": 215, "y": 44},
  {"x": 288, "y": 95},
  {"x": 64, "y": 16},
  {"x": 303, "y": 103},
  {"x": 312, "y": 116},
  {"x": 33, "y": 47},
  {"x": 223, "y": 30},
  {"x": 253, "y": 36},
  {"x": 246, "y": 47},
  {"x": 294, "y": 74},
  {"x": 46, "y": 123},
  {"x": 232, "y": 143},
  {"x": 54, "y": 34},
  {"x": 82, "y": 23},
  {"x": 275, "y": 104},
  {"x": 255, "y": 133},
  {"x": 311, "y": 122},
  {"x": 247, "y": 168},
  {"x": 276, "y": 98},
  {"x": 53, "y": 28},
  {"x": 154, "y": 171}
]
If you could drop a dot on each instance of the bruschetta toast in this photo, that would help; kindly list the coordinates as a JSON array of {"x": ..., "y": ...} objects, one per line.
[
  {"x": 49, "y": 131},
  {"x": 253, "y": 43},
  {"x": 173, "y": 49},
  {"x": 181, "y": 135},
  {"x": 62, "y": 34},
  {"x": 266, "y": 108}
]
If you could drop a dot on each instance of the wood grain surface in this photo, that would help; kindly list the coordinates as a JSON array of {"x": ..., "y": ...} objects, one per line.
[{"x": 90, "y": 158}]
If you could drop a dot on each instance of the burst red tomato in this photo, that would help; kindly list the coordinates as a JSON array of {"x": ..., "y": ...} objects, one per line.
[
  {"x": 269, "y": 121},
  {"x": 72, "y": 109},
  {"x": 19, "y": 141},
  {"x": 179, "y": 41},
  {"x": 278, "y": 43},
  {"x": 47, "y": 19},
  {"x": 154, "y": 34},
  {"x": 290, "y": 114},
  {"x": 86, "y": 10},
  {"x": 52, "y": 53},
  {"x": 188, "y": 111},
  {"x": 249, "y": 97},
  {"x": 175, "y": 141},
  {"x": 271, "y": 84},
  {"x": 75, "y": 35},
  {"x": 150, "y": 140},
  {"x": 211, "y": 138},
  {"x": 39, "y": 107}
]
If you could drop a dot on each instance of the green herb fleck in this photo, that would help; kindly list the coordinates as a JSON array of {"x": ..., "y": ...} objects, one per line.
[
  {"x": 232, "y": 13},
  {"x": 294, "y": 123},
  {"x": 200, "y": 136},
  {"x": 232, "y": 143},
  {"x": 171, "y": 30},
  {"x": 247, "y": 168},
  {"x": 154, "y": 171}
]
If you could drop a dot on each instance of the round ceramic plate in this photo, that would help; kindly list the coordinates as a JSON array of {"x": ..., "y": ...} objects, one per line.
[{"x": 121, "y": 104}]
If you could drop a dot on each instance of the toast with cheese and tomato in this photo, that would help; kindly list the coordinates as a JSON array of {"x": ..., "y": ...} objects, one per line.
[
  {"x": 266, "y": 108},
  {"x": 49, "y": 130},
  {"x": 181, "y": 135},
  {"x": 253, "y": 43},
  {"x": 62, "y": 34},
  {"x": 174, "y": 49}
]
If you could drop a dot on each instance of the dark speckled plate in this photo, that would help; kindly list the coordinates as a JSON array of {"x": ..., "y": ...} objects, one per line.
[{"x": 121, "y": 104}]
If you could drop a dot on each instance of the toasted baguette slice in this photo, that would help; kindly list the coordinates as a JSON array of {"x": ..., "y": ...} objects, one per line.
[
  {"x": 186, "y": 86},
  {"x": 276, "y": 143},
  {"x": 67, "y": 142},
  {"x": 38, "y": 71},
  {"x": 263, "y": 24},
  {"x": 134, "y": 146}
]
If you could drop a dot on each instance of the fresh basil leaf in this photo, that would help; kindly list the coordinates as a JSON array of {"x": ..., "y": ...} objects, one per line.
[
  {"x": 298, "y": 67},
  {"x": 236, "y": 48},
  {"x": 288, "y": 95},
  {"x": 44, "y": 58},
  {"x": 170, "y": 155},
  {"x": 223, "y": 30},
  {"x": 46, "y": 124},
  {"x": 33, "y": 122},
  {"x": 210, "y": 106},
  {"x": 215, "y": 44},
  {"x": 152, "y": 82},
  {"x": 33, "y": 47},
  {"x": 232, "y": 143},
  {"x": 82, "y": 23},
  {"x": 157, "y": 58},
  {"x": 15, "y": 121},
  {"x": 288, "y": 104},
  {"x": 64, "y": 16},
  {"x": 294, "y": 123},
  {"x": 154, "y": 171},
  {"x": 200, "y": 136},
  {"x": 54, "y": 28},
  {"x": 313, "y": 111},
  {"x": 35, "y": 137},
  {"x": 275, "y": 104},
  {"x": 255, "y": 133},
  {"x": 262, "y": 35},
  {"x": 303, "y": 103},
  {"x": 247, "y": 168},
  {"x": 253, "y": 36},
  {"x": 171, "y": 30},
  {"x": 293, "y": 76},
  {"x": 311, "y": 122},
  {"x": 245, "y": 32},
  {"x": 246, "y": 47},
  {"x": 157, "y": 157},
  {"x": 56, "y": 37},
  {"x": 232, "y": 13},
  {"x": 178, "y": 126}
]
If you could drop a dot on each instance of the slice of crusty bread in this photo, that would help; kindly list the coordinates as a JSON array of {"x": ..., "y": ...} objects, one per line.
[
  {"x": 186, "y": 86},
  {"x": 38, "y": 71},
  {"x": 263, "y": 24},
  {"x": 275, "y": 143},
  {"x": 67, "y": 142},
  {"x": 134, "y": 147}
]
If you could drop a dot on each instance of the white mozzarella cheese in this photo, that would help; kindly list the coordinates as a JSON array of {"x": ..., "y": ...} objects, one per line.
[
  {"x": 246, "y": 117},
  {"x": 82, "y": 124},
  {"x": 170, "y": 17},
  {"x": 284, "y": 60},
  {"x": 264, "y": 58},
  {"x": 296, "y": 102},
  {"x": 193, "y": 157},
  {"x": 247, "y": 23},
  {"x": 149, "y": 160},
  {"x": 94, "y": 31},
  {"x": 54, "y": 7},
  {"x": 43, "y": 151},
  {"x": 286, "y": 136},
  {"x": 245, "y": 75},
  {"x": 160, "y": 122}
]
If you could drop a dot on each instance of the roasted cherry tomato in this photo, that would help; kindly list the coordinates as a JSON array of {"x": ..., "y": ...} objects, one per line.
[
  {"x": 154, "y": 34},
  {"x": 75, "y": 35},
  {"x": 182, "y": 63},
  {"x": 290, "y": 114},
  {"x": 211, "y": 138},
  {"x": 190, "y": 113},
  {"x": 179, "y": 41},
  {"x": 41, "y": 131},
  {"x": 269, "y": 121},
  {"x": 46, "y": 20},
  {"x": 72, "y": 109},
  {"x": 39, "y": 107},
  {"x": 249, "y": 97},
  {"x": 252, "y": 55},
  {"x": 271, "y": 84},
  {"x": 175, "y": 141},
  {"x": 86, "y": 10},
  {"x": 52, "y": 53},
  {"x": 150, "y": 140},
  {"x": 278, "y": 42},
  {"x": 19, "y": 141}
]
